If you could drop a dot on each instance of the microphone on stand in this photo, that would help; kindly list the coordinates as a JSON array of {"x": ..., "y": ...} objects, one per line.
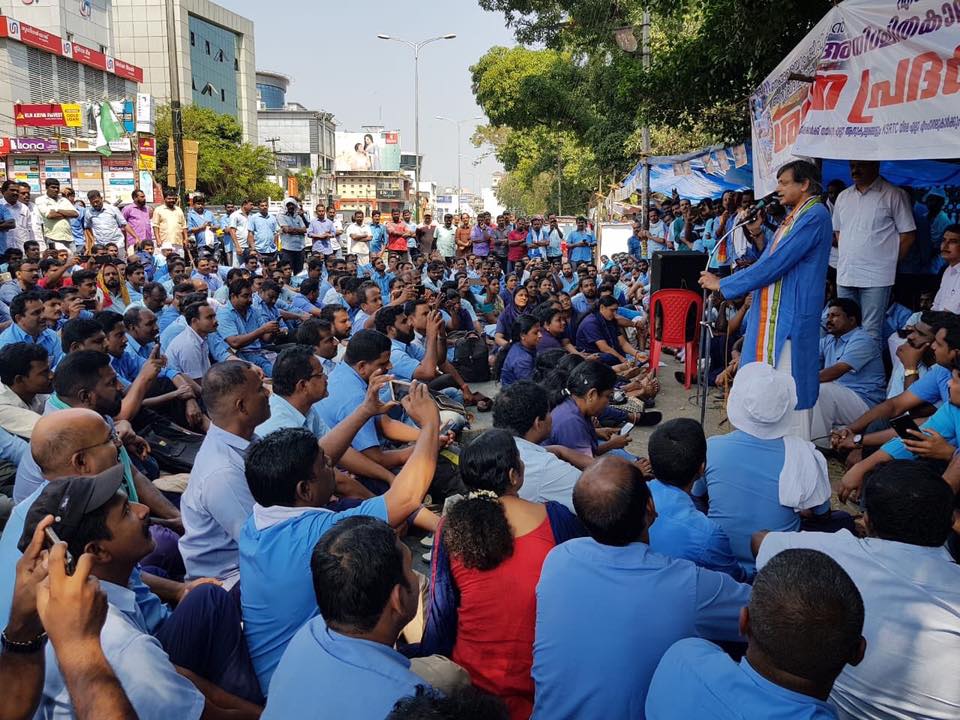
[{"x": 771, "y": 199}]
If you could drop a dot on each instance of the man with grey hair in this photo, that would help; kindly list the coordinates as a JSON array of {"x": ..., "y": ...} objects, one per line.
[{"x": 786, "y": 286}]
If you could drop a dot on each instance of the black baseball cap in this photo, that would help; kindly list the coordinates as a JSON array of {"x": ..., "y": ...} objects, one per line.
[{"x": 69, "y": 500}]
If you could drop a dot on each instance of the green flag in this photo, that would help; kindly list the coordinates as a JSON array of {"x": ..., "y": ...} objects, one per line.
[{"x": 108, "y": 129}]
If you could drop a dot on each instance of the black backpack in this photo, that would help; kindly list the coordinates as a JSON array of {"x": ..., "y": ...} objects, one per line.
[{"x": 470, "y": 358}]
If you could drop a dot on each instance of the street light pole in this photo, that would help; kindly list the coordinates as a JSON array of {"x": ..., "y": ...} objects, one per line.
[
  {"x": 415, "y": 46},
  {"x": 458, "y": 123},
  {"x": 176, "y": 116}
]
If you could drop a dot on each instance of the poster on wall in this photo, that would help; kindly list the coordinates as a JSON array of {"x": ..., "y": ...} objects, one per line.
[
  {"x": 26, "y": 169},
  {"x": 146, "y": 183},
  {"x": 119, "y": 179},
  {"x": 56, "y": 167},
  {"x": 87, "y": 174},
  {"x": 377, "y": 151}
]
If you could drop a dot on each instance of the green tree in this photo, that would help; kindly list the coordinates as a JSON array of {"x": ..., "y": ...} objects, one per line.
[
  {"x": 707, "y": 56},
  {"x": 228, "y": 169}
]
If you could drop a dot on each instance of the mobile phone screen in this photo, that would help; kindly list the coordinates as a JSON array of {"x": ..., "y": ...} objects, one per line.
[
  {"x": 625, "y": 430},
  {"x": 902, "y": 423},
  {"x": 399, "y": 390}
]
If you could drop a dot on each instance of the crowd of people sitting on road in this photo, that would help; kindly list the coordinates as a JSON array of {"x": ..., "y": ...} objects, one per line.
[{"x": 216, "y": 460}]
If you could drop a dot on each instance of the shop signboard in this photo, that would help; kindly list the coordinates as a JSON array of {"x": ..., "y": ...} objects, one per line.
[
  {"x": 56, "y": 167},
  {"x": 87, "y": 173},
  {"x": 119, "y": 179},
  {"x": 26, "y": 169}
]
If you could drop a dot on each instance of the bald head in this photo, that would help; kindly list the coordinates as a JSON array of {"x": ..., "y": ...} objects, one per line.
[
  {"x": 611, "y": 499},
  {"x": 58, "y": 438}
]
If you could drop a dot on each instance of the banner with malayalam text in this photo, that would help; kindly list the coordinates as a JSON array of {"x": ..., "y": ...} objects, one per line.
[{"x": 885, "y": 86}]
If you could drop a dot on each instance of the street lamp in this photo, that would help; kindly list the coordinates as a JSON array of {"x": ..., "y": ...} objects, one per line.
[
  {"x": 458, "y": 123},
  {"x": 415, "y": 46}
]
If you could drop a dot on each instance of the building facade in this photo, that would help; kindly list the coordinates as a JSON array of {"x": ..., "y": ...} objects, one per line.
[
  {"x": 215, "y": 48},
  {"x": 271, "y": 90},
  {"x": 300, "y": 139},
  {"x": 58, "y": 62},
  {"x": 371, "y": 190}
]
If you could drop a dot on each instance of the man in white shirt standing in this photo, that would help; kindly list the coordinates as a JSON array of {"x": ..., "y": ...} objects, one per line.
[
  {"x": 911, "y": 595},
  {"x": 948, "y": 296},
  {"x": 359, "y": 236},
  {"x": 873, "y": 228},
  {"x": 55, "y": 214},
  {"x": 238, "y": 226}
]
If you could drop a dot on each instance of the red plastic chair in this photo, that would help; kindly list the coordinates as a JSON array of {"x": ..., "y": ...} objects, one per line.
[{"x": 675, "y": 322}]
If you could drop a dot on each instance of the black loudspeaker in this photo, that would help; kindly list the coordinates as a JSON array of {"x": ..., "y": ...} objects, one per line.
[{"x": 678, "y": 270}]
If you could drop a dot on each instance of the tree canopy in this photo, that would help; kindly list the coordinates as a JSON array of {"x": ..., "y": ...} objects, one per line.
[
  {"x": 707, "y": 56},
  {"x": 228, "y": 169}
]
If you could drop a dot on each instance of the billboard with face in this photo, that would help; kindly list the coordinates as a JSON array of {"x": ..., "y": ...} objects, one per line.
[{"x": 364, "y": 151}]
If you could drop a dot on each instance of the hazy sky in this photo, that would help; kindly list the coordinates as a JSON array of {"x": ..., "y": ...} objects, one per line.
[{"x": 331, "y": 51}]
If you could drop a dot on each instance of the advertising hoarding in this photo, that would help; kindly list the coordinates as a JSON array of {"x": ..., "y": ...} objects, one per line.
[{"x": 366, "y": 151}]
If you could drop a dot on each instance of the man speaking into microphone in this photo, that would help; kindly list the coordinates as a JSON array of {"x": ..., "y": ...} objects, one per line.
[{"x": 787, "y": 283}]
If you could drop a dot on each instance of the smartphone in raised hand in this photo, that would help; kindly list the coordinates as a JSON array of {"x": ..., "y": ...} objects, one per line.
[{"x": 53, "y": 539}]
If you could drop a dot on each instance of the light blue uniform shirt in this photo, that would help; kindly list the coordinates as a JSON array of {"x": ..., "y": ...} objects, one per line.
[
  {"x": 150, "y": 681},
  {"x": 946, "y": 421},
  {"x": 12, "y": 448},
  {"x": 697, "y": 679},
  {"x": 276, "y": 588},
  {"x": 285, "y": 415},
  {"x": 189, "y": 354},
  {"x": 358, "y": 321},
  {"x": 10, "y": 554},
  {"x": 580, "y": 254},
  {"x": 47, "y": 339},
  {"x": 745, "y": 498},
  {"x": 264, "y": 231},
  {"x": 230, "y": 322},
  {"x": 639, "y": 603},
  {"x": 404, "y": 362},
  {"x": 570, "y": 285},
  {"x": 128, "y": 366},
  {"x": 682, "y": 531},
  {"x": 860, "y": 351},
  {"x": 166, "y": 316},
  {"x": 933, "y": 387},
  {"x": 213, "y": 281},
  {"x": 219, "y": 350},
  {"x": 545, "y": 476},
  {"x": 214, "y": 507},
  {"x": 352, "y": 678},
  {"x": 6, "y": 214},
  {"x": 347, "y": 391},
  {"x": 291, "y": 241},
  {"x": 195, "y": 220}
]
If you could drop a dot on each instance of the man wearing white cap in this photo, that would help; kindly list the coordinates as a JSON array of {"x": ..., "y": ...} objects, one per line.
[{"x": 760, "y": 477}]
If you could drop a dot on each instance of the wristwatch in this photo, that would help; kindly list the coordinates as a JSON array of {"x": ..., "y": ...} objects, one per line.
[
  {"x": 858, "y": 440},
  {"x": 910, "y": 372}
]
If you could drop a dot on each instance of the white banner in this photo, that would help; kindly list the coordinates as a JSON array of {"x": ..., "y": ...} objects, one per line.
[
  {"x": 887, "y": 87},
  {"x": 777, "y": 106}
]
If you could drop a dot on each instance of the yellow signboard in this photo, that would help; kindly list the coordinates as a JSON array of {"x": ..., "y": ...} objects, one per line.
[{"x": 72, "y": 114}]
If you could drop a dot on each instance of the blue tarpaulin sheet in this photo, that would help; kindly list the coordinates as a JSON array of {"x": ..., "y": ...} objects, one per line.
[{"x": 699, "y": 184}]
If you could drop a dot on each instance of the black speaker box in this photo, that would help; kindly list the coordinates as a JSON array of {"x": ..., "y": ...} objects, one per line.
[{"x": 676, "y": 270}]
